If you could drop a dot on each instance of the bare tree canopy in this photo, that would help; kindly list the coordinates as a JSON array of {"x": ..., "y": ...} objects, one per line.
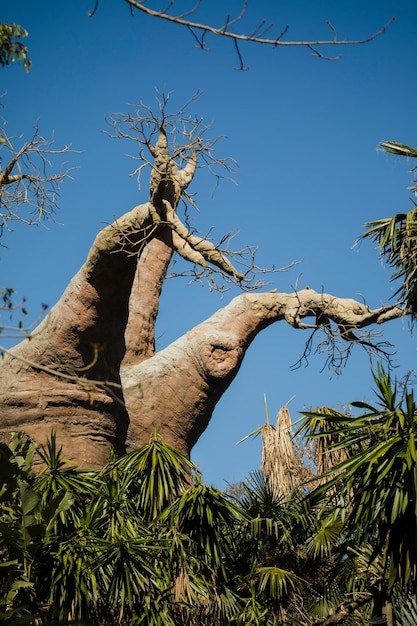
[{"x": 29, "y": 187}]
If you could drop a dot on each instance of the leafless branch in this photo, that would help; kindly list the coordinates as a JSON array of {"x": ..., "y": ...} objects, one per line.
[
  {"x": 174, "y": 146},
  {"x": 186, "y": 134},
  {"x": 336, "y": 336},
  {"x": 253, "y": 276},
  {"x": 28, "y": 191},
  {"x": 199, "y": 31},
  {"x": 9, "y": 307},
  {"x": 337, "y": 347}
]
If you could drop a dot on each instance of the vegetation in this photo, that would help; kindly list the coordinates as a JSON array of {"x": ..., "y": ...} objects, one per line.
[
  {"x": 144, "y": 541},
  {"x": 397, "y": 238},
  {"x": 141, "y": 541},
  {"x": 11, "y": 47}
]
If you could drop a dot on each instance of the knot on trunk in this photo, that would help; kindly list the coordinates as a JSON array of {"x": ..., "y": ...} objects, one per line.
[{"x": 220, "y": 355}]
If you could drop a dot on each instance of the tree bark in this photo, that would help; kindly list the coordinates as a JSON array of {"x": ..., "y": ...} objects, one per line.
[
  {"x": 78, "y": 376},
  {"x": 90, "y": 372}
]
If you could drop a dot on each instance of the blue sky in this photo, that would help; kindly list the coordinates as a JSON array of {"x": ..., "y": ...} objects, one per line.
[{"x": 305, "y": 133}]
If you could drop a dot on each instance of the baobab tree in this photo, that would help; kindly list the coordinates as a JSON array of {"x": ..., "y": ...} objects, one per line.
[{"x": 91, "y": 371}]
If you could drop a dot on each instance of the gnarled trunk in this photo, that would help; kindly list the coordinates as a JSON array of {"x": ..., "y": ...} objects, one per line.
[{"x": 90, "y": 371}]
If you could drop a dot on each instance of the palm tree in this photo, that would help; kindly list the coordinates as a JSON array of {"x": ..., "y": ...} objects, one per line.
[
  {"x": 373, "y": 491},
  {"x": 28, "y": 528},
  {"x": 397, "y": 238}
]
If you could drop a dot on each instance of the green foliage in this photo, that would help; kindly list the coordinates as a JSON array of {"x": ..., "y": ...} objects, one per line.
[
  {"x": 406, "y": 613},
  {"x": 26, "y": 526},
  {"x": 375, "y": 488},
  {"x": 11, "y": 48},
  {"x": 280, "y": 582},
  {"x": 397, "y": 239},
  {"x": 137, "y": 542},
  {"x": 158, "y": 473},
  {"x": 144, "y": 541}
]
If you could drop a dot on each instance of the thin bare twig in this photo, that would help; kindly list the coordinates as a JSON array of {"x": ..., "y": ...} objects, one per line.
[{"x": 28, "y": 192}]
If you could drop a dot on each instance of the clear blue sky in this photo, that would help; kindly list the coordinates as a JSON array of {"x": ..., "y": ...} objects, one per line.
[{"x": 305, "y": 133}]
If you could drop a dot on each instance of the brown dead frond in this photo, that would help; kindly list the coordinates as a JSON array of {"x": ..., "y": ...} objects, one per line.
[{"x": 278, "y": 456}]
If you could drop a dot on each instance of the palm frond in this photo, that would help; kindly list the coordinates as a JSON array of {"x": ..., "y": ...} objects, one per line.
[
  {"x": 399, "y": 149},
  {"x": 396, "y": 238},
  {"x": 406, "y": 611},
  {"x": 326, "y": 537},
  {"x": 158, "y": 474},
  {"x": 278, "y": 582},
  {"x": 379, "y": 487}
]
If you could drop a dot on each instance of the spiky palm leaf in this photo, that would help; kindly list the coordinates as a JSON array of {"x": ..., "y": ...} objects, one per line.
[
  {"x": 208, "y": 518},
  {"x": 326, "y": 537},
  {"x": 158, "y": 474},
  {"x": 379, "y": 485},
  {"x": 399, "y": 149},
  {"x": 406, "y": 611},
  {"x": 397, "y": 239},
  {"x": 279, "y": 582}
]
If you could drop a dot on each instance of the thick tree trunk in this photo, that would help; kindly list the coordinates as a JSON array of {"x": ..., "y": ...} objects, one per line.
[
  {"x": 90, "y": 371},
  {"x": 46, "y": 382},
  {"x": 53, "y": 381}
]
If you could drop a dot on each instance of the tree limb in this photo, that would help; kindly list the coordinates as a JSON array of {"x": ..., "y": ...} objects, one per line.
[
  {"x": 30, "y": 185},
  {"x": 203, "y": 362},
  {"x": 255, "y": 37}
]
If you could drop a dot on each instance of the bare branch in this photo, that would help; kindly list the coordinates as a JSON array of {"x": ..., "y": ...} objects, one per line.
[
  {"x": 186, "y": 135},
  {"x": 191, "y": 11},
  {"x": 19, "y": 330},
  {"x": 28, "y": 192},
  {"x": 332, "y": 28},
  {"x": 197, "y": 249},
  {"x": 219, "y": 280},
  {"x": 174, "y": 146},
  {"x": 199, "y": 31},
  {"x": 326, "y": 339},
  {"x": 336, "y": 318},
  {"x": 241, "y": 67}
]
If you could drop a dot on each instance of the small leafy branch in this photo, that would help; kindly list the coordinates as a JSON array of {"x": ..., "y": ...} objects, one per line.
[{"x": 11, "y": 48}]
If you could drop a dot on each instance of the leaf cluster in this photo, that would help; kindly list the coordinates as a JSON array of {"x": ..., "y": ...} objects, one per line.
[
  {"x": 11, "y": 47},
  {"x": 144, "y": 541}
]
